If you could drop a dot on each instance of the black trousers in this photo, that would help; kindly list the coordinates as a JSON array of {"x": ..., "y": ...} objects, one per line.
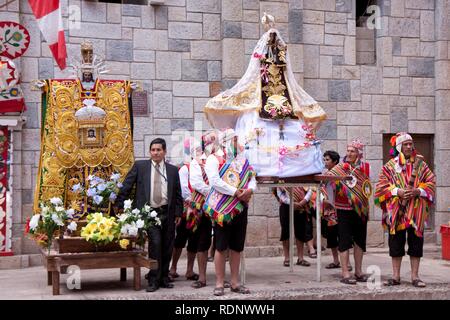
[{"x": 160, "y": 248}]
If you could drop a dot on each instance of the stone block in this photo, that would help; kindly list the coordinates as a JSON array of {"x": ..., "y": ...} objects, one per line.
[
  {"x": 442, "y": 20},
  {"x": 176, "y": 14},
  {"x": 427, "y": 26},
  {"x": 199, "y": 103},
  {"x": 371, "y": 79},
  {"x": 206, "y": 6},
  {"x": 194, "y": 17},
  {"x": 131, "y": 22},
  {"x": 421, "y": 67},
  {"x": 423, "y": 86},
  {"x": 344, "y": 6},
  {"x": 190, "y": 89},
  {"x": 374, "y": 153},
  {"x": 380, "y": 104},
  {"x": 326, "y": 66},
  {"x": 380, "y": 123},
  {"x": 296, "y": 57},
  {"x": 313, "y": 17},
  {"x": 331, "y": 50},
  {"x": 421, "y": 127},
  {"x": 410, "y": 47},
  {"x": 328, "y": 130},
  {"x": 118, "y": 68},
  {"x": 142, "y": 126},
  {"x": 336, "y": 28},
  {"x": 442, "y": 75},
  {"x": 179, "y": 45},
  {"x": 281, "y": 9},
  {"x": 442, "y": 105},
  {"x": 131, "y": 10},
  {"x": 168, "y": 65},
  {"x": 442, "y": 130},
  {"x": 185, "y": 30},
  {"x": 334, "y": 40},
  {"x": 350, "y": 50},
  {"x": 183, "y": 107},
  {"x": 419, "y": 4},
  {"x": 398, "y": 8},
  {"x": 363, "y": 133},
  {"x": 92, "y": 30},
  {"x": 375, "y": 234},
  {"x": 194, "y": 70},
  {"x": 211, "y": 27},
  {"x": 231, "y": 29},
  {"x": 323, "y": 5},
  {"x": 399, "y": 119},
  {"x": 265, "y": 205},
  {"x": 313, "y": 34},
  {"x": 119, "y": 50},
  {"x": 206, "y": 50},
  {"x": 404, "y": 27},
  {"x": 391, "y": 86},
  {"x": 232, "y": 11},
  {"x": 93, "y": 11},
  {"x": 348, "y": 106},
  {"x": 250, "y": 16},
  {"x": 339, "y": 90},
  {"x": 311, "y": 54},
  {"x": 349, "y": 118},
  {"x": 317, "y": 88},
  {"x": 295, "y": 26},
  {"x": 250, "y": 30},
  {"x": 256, "y": 231},
  {"x": 142, "y": 70},
  {"x": 214, "y": 70},
  {"x": 335, "y": 17},
  {"x": 162, "y": 104},
  {"x": 427, "y": 49},
  {"x": 330, "y": 109},
  {"x": 150, "y": 39},
  {"x": 233, "y": 58},
  {"x": 182, "y": 124},
  {"x": 30, "y": 139}
]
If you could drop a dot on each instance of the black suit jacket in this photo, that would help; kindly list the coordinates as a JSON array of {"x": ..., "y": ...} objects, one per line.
[{"x": 140, "y": 175}]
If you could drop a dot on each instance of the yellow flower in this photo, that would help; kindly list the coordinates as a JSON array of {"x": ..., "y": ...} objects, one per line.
[{"x": 124, "y": 243}]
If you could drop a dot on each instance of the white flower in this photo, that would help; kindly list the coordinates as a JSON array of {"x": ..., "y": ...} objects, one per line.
[
  {"x": 56, "y": 201},
  {"x": 72, "y": 226},
  {"x": 59, "y": 209},
  {"x": 119, "y": 185},
  {"x": 147, "y": 208},
  {"x": 57, "y": 219},
  {"x": 91, "y": 192},
  {"x": 76, "y": 187},
  {"x": 127, "y": 204},
  {"x": 101, "y": 187},
  {"x": 98, "y": 199},
  {"x": 115, "y": 176},
  {"x": 124, "y": 229},
  {"x": 34, "y": 221},
  {"x": 91, "y": 177},
  {"x": 70, "y": 213},
  {"x": 135, "y": 211},
  {"x": 44, "y": 210},
  {"x": 112, "y": 196},
  {"x": 132, "y": 230},
  {"x": 153, "y": 214},
  {"x": 123, "y": 217},
  {"x": 158, "y": 221},
  {"x": 140, "y": 223}
]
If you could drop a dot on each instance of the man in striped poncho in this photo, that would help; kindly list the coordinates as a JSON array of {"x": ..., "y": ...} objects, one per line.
[{"x": 405, "y": 193}]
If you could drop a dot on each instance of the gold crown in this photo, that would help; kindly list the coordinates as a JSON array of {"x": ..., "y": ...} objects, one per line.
[{"x": 87, "y": 52}]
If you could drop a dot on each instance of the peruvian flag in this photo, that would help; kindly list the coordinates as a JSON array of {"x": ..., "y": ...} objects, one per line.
[{"x": 48, "y": 16}]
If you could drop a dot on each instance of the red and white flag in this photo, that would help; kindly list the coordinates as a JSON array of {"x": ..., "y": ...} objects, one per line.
[{"x": 49, "y": 18}]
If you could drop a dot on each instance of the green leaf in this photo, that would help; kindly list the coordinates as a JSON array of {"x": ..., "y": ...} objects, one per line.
[{"x": 15, "y": 44}]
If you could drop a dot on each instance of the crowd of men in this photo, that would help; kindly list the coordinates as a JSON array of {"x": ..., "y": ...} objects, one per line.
[{"x": 204, "y": 204}]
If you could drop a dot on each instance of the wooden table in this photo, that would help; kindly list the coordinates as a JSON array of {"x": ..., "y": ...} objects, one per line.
[{"x": 56, "y": 263}]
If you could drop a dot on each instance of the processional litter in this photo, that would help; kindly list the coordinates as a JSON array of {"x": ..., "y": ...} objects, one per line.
[{"x": 276, "y": 121}]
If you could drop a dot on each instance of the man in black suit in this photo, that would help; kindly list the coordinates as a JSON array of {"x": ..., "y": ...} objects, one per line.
[{"x": 157, "y": 184}]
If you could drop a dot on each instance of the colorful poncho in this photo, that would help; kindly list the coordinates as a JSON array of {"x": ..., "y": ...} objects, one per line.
[
  {"x": 358, "y": 196},
  {"x": 194, "y": 210},
  {"x": 223, "y": 208},
  {"x": 416, "y": 211}
]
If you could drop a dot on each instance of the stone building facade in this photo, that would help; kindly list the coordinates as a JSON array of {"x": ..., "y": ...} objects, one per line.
[{"x": 370, "y": 82}]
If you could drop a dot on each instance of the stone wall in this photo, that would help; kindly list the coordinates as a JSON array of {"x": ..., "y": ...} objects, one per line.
[{"x": 186, "y": 51}]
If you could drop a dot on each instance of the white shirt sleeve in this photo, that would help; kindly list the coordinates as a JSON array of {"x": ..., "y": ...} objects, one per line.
[
  {"x": 184, "y": 181},
  {"x": 212, "y": 171},
  {"x": 283, "y": 196},
  {"x": 196, "y": 178}
]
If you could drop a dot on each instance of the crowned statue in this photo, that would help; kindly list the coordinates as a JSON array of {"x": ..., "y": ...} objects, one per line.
[
  {"x": 86, "y": 132},
  {"x": 273, "y": 116}
]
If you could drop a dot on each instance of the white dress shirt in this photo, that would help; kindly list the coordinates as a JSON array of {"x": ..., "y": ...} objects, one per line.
[
  {"x": 196, "y": 178},
  {"x": 284, "y": 196},
  {"x": 212, "y": 171},
  {"x": 162, "y": 169},
  {"x": 184, "y": 181}
]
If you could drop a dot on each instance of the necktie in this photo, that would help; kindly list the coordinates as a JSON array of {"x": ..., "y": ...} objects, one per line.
[{"x": 157, "y": 194}]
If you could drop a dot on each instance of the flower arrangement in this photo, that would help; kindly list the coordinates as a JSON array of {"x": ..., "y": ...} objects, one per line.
[
  {"x": 100, "y": 229},
  {"x": 100, "y": 191},
  {"x": 135, "y": 222},
  {"x": 52, "y": 219}
]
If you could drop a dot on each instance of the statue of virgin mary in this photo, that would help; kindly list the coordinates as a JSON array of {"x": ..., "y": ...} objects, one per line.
[{"x": 273, "y": 116}]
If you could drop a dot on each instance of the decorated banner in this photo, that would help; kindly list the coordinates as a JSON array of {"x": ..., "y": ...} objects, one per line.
[
  {"x": 5, "y": 223},
  {"x": 14, "y": 39}
]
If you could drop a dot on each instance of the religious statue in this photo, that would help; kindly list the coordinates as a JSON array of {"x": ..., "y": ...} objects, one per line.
[
  {"x": 273, "y": 116},
  {"x": 86, "y": 132}
]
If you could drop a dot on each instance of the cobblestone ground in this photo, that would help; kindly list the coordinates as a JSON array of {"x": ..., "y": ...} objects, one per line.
[{"x": 266, "y": 277}]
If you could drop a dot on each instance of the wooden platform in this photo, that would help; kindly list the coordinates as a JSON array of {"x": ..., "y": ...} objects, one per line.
[{"x": 56, "y": 263}]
